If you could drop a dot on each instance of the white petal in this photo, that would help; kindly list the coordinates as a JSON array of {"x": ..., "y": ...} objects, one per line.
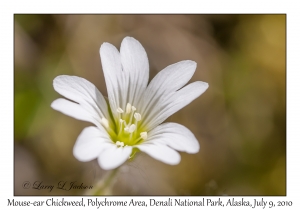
[
  {"x": 90, "y": 143},
  {"x": 176, "y": 136},
  {"x": 135, "y": 64},
  {"x": 113, "y": 157},
  {"x": 166, "y": 82},
  {"x": 83, "y": 92},
  {"x": 160, "y": 152},
  {"x": 173, "y": 103},
  {"x": 74, "y": 110},
  {"x": 116, "y": 79}
]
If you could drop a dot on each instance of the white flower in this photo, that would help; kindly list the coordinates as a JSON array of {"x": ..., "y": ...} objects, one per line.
[{"x": 130, "y": 120}]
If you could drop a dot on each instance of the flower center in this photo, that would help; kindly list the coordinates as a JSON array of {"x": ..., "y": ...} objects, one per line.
[{"x": 127, "y": 127}]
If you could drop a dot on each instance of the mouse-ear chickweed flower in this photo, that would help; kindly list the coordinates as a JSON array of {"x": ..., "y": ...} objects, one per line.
[{"x": 130, "y": 120}]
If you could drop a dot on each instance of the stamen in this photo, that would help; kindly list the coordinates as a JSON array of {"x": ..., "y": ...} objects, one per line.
[
  {"x": 132, "y": 128},
  {"x": 133, "y": 108},
  {"x": 120, "y": 144},
  {"x": 132, "y": 113},
  {"x": 119, "y": 110},
  {"x": 126, "y": 128},
  {"x": 128, "y": 108},
  {"x": 144, "y": 135},
  {"x": 131, "y": 120},
  {"x": 137, "y": 116},
  {"x": 121, "y": 123},
  {"x": 104, "y": 122}
]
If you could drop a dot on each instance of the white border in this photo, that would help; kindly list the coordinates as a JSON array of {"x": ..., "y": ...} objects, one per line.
[{"x": 8, "y": 8}]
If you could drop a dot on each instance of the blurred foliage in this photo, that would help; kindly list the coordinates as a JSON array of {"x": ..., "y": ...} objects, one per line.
[{"x": 240, "y": 121}]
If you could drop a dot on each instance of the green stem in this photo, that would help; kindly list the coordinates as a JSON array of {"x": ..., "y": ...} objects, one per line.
[{"x": 106, "y": 183}]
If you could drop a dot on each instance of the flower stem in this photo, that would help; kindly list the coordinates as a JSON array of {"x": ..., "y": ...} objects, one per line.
[{"x": 105, "y": 184}]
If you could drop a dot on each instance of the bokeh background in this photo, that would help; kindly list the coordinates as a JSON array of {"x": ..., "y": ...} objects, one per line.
[{"x": 240, "y": 121}]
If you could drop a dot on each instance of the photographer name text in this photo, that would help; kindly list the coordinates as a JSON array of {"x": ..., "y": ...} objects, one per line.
[{"x": 61, "y": 185}]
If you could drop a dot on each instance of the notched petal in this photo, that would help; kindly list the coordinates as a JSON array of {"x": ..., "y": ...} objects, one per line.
[
  {"x": 83, "y": 92},
  {"x": 176, "y": 136},
  {"x": 74, "y": 110},
  {"x": 160, "y": 152},
  {"x": 114, "y": 156},
  {"x": 90, "y": 143}
]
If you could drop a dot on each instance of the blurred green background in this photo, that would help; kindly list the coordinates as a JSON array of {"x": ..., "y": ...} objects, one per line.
[{"x": 240, "y": 121}]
